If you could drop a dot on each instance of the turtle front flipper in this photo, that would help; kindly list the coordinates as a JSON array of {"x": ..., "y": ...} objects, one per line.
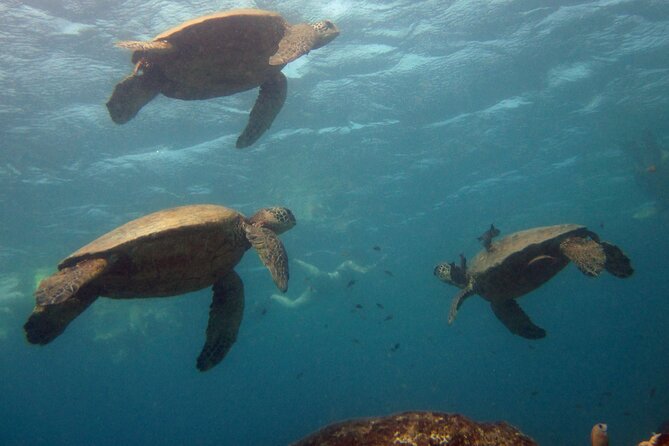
[
  {"x": 225, "y": 317},
  {"x": 514, "y": 318},
  {"x": 47, "y": 322},
  {"x": 298, "y": 41},
  {"x": 66, "y": 283},
  {"x": 457, "y": 301},
  {"x": 270, "y": 100},
  {"x": 617, "y": 263},
  {"x": 131, "y": 94},
  {"x": 272, "y": 253},
  {"x": 587, "y": 254}
]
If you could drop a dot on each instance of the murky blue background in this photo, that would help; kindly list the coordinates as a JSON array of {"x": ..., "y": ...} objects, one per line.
[{"x": 421, "y": 124}]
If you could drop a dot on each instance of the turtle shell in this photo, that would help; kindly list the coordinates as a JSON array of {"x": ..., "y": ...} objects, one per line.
[
  {"x": 169, "y": 252},
  {"x": 218, "y": 54},
  {"x": 508, "y": 271},
  {"x": 417, "y": 428}
]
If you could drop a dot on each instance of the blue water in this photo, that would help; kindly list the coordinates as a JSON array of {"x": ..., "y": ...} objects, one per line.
[{"x": 421, "y": 124}]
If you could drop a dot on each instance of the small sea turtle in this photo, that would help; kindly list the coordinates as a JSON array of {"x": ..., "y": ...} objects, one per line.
[
  {"x": 166, "y": 253},
  {"x": 417, "y": 428},
  {"x": 219, "y": 55},
  {"x": 525, "y": 260}
]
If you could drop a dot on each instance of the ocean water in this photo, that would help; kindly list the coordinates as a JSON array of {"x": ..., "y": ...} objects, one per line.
[{"x": 399, "y": 143}]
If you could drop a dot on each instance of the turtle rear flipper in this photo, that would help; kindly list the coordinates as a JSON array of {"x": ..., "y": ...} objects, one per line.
[
  {"x": 514, "y": 318},
  {"x": 617, "y": 263},
  {"x": 457, "y": 301},
  {"x": 153, "y": 46},
  {"x": 47, "y": 322},
  {"x": 225, "y": 317},
  {"x": 587, "y": 254},
  {"x": 272, "y": 253},
  {"x": 131, "y": 94},
  {"x": 62, "y": 297},
  {"x": 298, "y": 41},
  {"x": 270, "y": 100},
  {"x": 66, "y": 283}
]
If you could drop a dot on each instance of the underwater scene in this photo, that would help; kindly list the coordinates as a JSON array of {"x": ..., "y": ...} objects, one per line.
[{"x": 226, "y": 226}]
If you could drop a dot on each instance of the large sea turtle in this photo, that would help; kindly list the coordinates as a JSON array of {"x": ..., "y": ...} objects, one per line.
[
  {"x": 525, "y": 260},
  {"x": 219, "y": 55},
  {"x": 417, "y": 428},
  {"x": 166, "y": 253}
]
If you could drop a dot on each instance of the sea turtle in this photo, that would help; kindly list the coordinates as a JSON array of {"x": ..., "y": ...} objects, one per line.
[
  {"x": 660, "y": 439},
  {"x": 219, "y": 55},
  {"x": 166, "y": 253},
  {"x": 417, "y": 428},
  {"x": 525, "y": 260}
]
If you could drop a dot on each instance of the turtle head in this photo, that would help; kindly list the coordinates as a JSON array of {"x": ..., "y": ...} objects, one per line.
[
  {"x": 326, "y": 31},
  {"x": 276, "y": 219},
  {"x": 451, "y": 274}
]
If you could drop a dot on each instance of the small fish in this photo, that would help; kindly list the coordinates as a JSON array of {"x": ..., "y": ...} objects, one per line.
[
  {"x": 388, "y": 273},
  {"x": 535, "y": 392},
  {"x": 350, "y": 283},
  {"x": 389, "y": 317},
  {"x": 299, "y": 375},
  {"x": 379, "y": 305},
  {"x": 263, "y": 311},
  {"x": 652, "y": 392},
  {"x": 355, "y": 341},
  {"x": 486, "y": 237},
  {"x": 358, "y": 306},
  {"x": 651, "y": 169},
  {"x": 599, "y": 435},
  {"x": 376, "y": 248},
  {"x": 395, "y": 347}
]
